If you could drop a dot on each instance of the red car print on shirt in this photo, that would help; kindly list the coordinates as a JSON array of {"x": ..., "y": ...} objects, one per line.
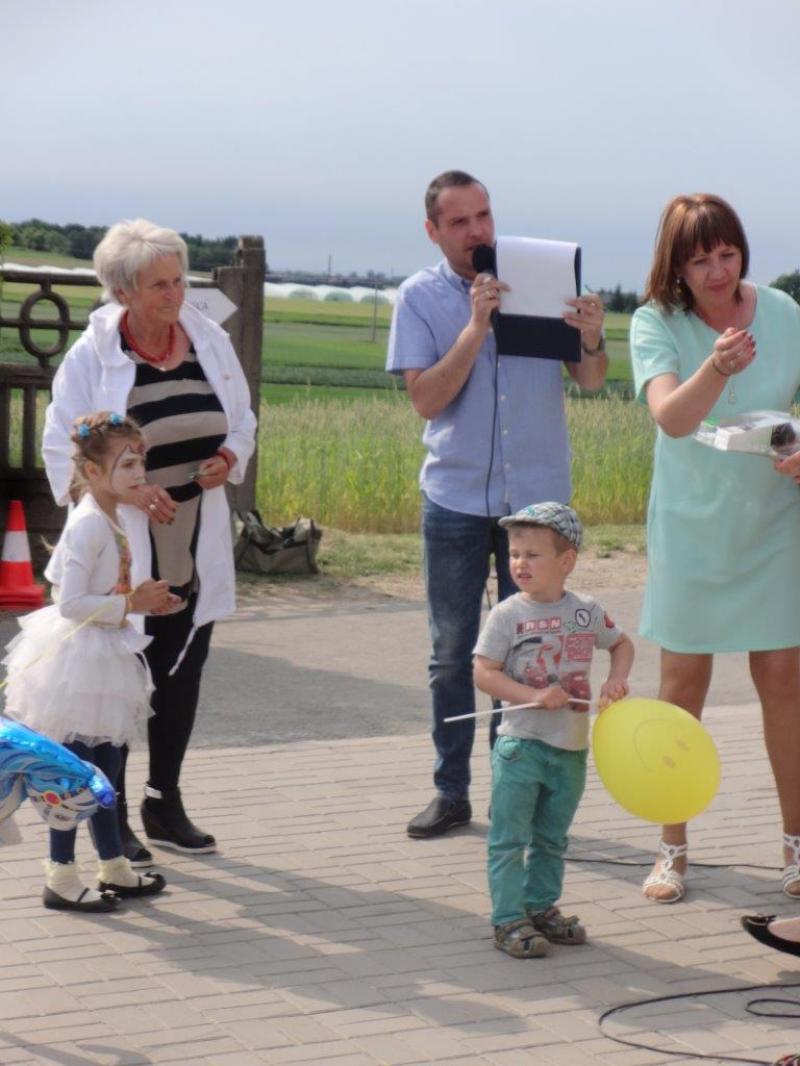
[{"x": 576, "y": 683}]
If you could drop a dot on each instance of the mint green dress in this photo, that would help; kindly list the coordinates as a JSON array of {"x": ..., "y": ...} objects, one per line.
[{"x": 723, "y": 530}]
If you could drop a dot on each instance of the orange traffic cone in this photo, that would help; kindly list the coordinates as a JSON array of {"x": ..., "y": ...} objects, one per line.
[{"x": 17, "y": 588}]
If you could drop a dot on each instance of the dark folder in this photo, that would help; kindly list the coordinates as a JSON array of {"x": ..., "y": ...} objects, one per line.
[{"x": 541, "y": 338}]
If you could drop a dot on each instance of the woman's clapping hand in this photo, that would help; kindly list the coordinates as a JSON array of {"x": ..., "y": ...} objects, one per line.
[{"x": 734, "y": 351}]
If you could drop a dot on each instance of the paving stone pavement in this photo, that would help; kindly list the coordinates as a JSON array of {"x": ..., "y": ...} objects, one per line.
[{"x": 321, "y": 933}]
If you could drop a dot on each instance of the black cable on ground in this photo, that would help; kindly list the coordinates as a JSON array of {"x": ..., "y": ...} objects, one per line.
[
  {"x": 752, "y": 1006},
  {"x": 705, "y": 994},
  {"x": 693, "y": 865}
]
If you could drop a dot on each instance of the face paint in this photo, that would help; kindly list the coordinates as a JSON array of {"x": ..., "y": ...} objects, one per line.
[{"x": 125, "y": 468}]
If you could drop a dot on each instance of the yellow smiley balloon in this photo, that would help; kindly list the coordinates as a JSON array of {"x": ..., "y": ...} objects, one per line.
[{"x": 656, "y": 760}]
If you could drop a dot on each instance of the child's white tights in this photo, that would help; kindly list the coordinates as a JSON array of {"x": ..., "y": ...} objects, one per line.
[{"x": 62, "y": 878}]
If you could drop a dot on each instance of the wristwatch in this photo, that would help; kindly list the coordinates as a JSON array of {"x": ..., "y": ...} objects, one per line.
[{"x": 598, "y": 348}]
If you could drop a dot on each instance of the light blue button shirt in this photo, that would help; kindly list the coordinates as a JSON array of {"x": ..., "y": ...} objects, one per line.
[{"x": 526, "y": 459}]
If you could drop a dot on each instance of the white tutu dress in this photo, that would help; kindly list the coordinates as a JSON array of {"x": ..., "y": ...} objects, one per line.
[{"x": 75, "y": 671}]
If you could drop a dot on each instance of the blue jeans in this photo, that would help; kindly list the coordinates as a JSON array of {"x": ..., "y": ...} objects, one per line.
[
  {"x": 103, "y": 823},
  {"x": 536, "y": 789},
  {"x": 458, "y": 548}
]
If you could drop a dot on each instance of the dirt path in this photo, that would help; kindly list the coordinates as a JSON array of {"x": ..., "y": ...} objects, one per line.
[{"x": 621, "y": 570}]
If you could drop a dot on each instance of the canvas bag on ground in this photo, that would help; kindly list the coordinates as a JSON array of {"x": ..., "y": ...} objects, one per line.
[{"x": 262, "y": 549}]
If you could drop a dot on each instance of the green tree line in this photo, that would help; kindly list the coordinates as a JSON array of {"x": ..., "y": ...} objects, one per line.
[
  {"x": 617, "y": 300},
  {"x": 789, "y": 283},
  {"x": 81, "y": 241}
]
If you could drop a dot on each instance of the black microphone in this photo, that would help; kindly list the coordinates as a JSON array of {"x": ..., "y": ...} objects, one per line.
[{"x": 484, "y": 261}]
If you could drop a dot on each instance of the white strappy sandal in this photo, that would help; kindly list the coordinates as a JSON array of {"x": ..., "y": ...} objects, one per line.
[
  {"x": 668, "y": 876},
  {"x": 791, "y": 872}
]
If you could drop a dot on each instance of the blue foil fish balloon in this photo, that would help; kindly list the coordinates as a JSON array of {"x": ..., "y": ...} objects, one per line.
[{"x": 64, "y": 789}]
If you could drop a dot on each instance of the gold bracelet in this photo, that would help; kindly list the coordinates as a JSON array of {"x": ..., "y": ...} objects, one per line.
[{"x": 128, "y": 602}]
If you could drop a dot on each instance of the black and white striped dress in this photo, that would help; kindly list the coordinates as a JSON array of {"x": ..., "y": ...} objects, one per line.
[{"x": 184, "y": 425}]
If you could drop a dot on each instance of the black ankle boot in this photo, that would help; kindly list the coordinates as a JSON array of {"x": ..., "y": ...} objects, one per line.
[
  {"x": 167, "y": 825},
  {"x": 132, "y": 848}
]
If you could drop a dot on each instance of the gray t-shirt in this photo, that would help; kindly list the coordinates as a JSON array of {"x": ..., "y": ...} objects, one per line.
[{"x": 543, "y": 644}]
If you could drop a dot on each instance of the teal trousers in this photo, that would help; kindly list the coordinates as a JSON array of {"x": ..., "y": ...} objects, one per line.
[{"x": 536, "y": 789}]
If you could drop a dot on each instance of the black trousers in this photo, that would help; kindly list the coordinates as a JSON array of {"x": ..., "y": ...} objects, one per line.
[{"x": 175, "y": 699}]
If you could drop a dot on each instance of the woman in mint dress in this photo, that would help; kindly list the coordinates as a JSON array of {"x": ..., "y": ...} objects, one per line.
[{"x": 723, "y": 530}]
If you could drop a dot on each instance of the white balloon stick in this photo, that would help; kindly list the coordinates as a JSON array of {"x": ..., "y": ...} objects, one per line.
[{"x": 516, "y": 707}]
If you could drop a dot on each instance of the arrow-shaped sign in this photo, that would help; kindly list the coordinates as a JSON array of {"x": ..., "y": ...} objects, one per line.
[{"x": 213, "y": 303}]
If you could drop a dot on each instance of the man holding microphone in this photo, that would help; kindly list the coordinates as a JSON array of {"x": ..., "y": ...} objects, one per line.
[{"x": 496, "y": 441}]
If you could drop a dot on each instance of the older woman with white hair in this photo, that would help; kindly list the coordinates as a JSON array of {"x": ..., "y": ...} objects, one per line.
[{"x": 148, "y": 354}]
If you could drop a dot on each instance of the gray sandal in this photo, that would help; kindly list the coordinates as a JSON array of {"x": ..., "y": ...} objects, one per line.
[
  {"x": 554, "y": 927},
  {"x": 520, "y": 940}
]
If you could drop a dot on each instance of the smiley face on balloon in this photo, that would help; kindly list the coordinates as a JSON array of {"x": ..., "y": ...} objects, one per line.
[{"x": 656, "y": 760}]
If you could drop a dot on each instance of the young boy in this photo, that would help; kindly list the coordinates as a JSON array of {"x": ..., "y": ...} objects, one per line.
[{"x": 537, "y": 646}]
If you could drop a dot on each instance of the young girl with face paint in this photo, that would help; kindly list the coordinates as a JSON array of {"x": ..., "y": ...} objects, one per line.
[{"x": 75, "y": 672}]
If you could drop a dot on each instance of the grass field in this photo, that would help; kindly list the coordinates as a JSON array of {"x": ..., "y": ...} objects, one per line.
[
  {"x": 310, "y": 344},
  {"x": 27, "y": 257},
  {"x": 307, "y": 393},
  {"x": 302, "y": 333},
  {"x": 355, "y": 466},
  {"x": 327, "y": 312},
  {"x": 307, "y": 342}
]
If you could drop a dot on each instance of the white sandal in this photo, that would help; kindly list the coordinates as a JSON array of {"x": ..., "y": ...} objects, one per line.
[
  {"x": 791, "y": 872},
  {"x": 668, "y": 875}
]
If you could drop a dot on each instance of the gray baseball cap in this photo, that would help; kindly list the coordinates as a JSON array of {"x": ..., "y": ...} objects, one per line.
[{"x": 554, "y": 515}]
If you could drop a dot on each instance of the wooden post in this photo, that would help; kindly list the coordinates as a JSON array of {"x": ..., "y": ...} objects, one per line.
[{"x": 243, "y": 283}]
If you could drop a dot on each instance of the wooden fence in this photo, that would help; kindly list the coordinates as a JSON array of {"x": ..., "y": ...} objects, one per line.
[{"x": 25, "y": 380}]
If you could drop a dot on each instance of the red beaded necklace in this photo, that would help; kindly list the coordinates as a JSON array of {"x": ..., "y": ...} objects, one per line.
[{"x": 162, "y": 357}]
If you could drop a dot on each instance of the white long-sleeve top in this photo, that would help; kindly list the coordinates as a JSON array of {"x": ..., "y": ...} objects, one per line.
[
  {"x": 85, "y": 567},
  {"x": 96, "y": 375}
]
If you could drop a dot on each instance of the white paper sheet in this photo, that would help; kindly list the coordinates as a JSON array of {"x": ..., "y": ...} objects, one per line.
[{"x": 540, "y": 274}]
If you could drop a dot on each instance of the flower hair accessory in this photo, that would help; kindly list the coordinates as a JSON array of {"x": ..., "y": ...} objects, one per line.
[
  {"x": 84, "y": 430},
  {"x": 114, "y": 419}
]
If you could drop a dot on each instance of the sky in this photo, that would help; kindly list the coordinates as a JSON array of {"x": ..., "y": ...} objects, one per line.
[{"x": 319, "y": 124}]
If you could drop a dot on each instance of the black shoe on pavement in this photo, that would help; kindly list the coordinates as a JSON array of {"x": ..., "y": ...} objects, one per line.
[
  {"x": 440, "y": 816},
  {"x": 132, "y": 848},
  {"x": 757, "y": 925},
  {"x": 107, "y": 902},
  {"x": 166, "y": 823},
  {"x": 150, "y": 884}
]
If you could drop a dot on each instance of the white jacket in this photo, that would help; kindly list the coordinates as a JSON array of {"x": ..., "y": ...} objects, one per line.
[
  {"x": 96, "y": 375},
  {"x": 84, "y": 568}
]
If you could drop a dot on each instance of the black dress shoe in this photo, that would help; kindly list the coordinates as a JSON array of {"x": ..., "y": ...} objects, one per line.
[
  {"x": 757, "y": 926},
  {"x": 167, "y": 824},
  {"x": 149, "y": 885},
  {"x": 440, "y": 816},
  {"x": 108, "y": 902},
  {"x": 132, "y": 848}
]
